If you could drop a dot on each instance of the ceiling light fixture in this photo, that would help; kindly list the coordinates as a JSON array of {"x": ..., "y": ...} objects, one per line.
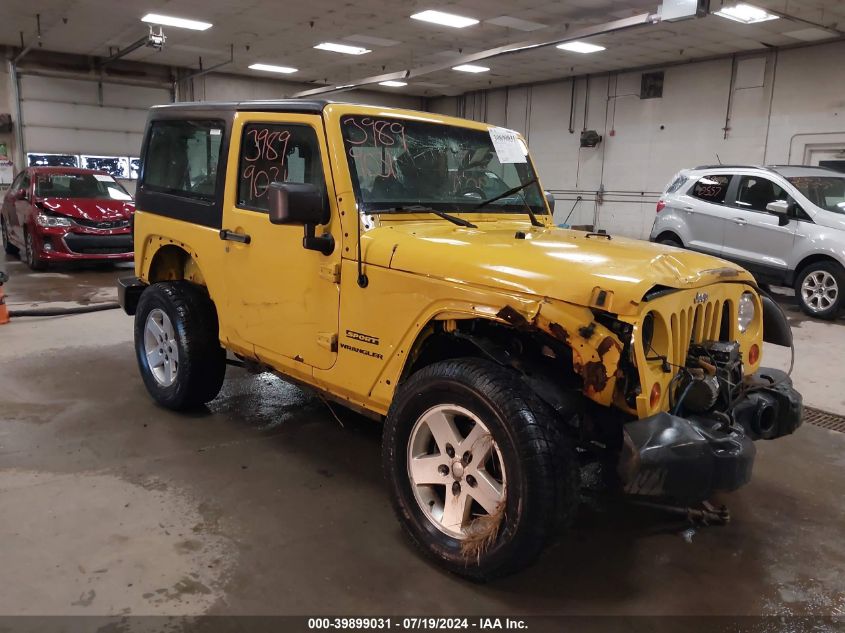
[
  {"x": 182, "y": 23},
  {"x": 392, "y": 84},
  {"x": 270, "y": 68},
  {"x": 469, "y": 68},
  {"x": 580, "y": 47},
  {"x": 342, "y": 48},
  {"x": 444, "y": 19},
  {"x": 745, "y": 13}
]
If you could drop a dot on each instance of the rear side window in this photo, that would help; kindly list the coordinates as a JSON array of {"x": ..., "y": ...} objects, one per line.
[
  {"x": 676, "y": 184},
  {"x": 276, "y": 153},
  {"x": 182, "y": 158},
  {"x": 712, "y": 188}
]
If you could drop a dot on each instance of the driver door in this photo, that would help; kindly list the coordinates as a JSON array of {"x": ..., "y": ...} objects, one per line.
[{"x": 282, "y": 300}]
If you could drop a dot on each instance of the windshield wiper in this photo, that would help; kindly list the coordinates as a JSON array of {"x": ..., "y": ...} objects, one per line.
[
  {"x": 510, "y": 192},
  {"x": 418, "y": 208}
]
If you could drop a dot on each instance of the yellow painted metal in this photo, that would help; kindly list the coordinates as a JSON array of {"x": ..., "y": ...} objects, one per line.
[{"x": 304, "y": 313}]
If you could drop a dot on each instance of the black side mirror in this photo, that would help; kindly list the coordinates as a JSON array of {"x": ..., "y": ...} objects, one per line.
[
  {"x": 550, "y": 200},
  {"x": 20, "y": 194},
  {"x": 294, "y": 203}
]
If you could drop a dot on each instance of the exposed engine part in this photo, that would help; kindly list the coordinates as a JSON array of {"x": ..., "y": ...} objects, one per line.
[
  {"x": 701, "y": 393},
  {"x": 713, "y": 372}
]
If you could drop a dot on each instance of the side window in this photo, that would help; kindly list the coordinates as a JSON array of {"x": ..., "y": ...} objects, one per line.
[
  {"x": 712, "y": 188},
  {"x": 276, "y": 153},
  {"x": 16, "y": 183},
  {"x": 754, "y": 193},
  {"x": 25, "y": 182},
  {"x": 182, "y": 158}
]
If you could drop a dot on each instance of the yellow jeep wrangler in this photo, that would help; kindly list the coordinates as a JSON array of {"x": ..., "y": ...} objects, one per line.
[{"x": 406, "y": 265}]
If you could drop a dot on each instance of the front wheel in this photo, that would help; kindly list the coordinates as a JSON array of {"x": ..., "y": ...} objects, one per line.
[
  {"x": 33, "y": 259},
  {"x": 177, "y": 346},
  {"x": 479, "y": 474},
  {"x": 819, "y": 289}
]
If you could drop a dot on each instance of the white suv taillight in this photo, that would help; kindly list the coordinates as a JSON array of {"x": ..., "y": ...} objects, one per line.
[{"x": 661, "y": 204}]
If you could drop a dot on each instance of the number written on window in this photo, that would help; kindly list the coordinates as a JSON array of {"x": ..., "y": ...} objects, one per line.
[
  {"x": 712, "y": 188},
  {"x": 276, "y": 153}
]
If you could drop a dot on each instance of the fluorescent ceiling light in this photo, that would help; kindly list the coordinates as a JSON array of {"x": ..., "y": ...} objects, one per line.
[
  {"x": 745, "y": 13},
  {"x": 273, "y": 69},
  {"x": 392, "y": 84},
  {"x": 446, "y": 19},
  {"x": 342, "y": 48},
  {"x": 182, "y": 23},
  {"x": 580, "y": 47},
  {"x": 469, "y": 68}
]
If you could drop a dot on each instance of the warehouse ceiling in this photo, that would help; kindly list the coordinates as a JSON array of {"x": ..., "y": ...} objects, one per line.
[{"x": 284, "y": 33}]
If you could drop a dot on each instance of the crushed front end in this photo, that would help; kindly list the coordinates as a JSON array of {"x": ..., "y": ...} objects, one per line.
[{"x": 691, "y": 375}]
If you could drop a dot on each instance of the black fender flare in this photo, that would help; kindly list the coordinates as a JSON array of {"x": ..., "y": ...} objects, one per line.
[{"x": 776, "y": 328}]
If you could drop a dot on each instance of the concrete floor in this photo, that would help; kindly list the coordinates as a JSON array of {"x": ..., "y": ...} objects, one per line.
[{"x": 264, "y": 504}]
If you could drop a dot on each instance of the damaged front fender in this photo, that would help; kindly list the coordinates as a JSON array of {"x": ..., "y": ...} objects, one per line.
[{"x": 596, "y": 350}]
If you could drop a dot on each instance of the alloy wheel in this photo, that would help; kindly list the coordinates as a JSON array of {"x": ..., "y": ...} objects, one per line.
[
  {"x": 456, "y": 469},
  {"x": 161, "y": 348},
  {"x": 819, "y": 290}
]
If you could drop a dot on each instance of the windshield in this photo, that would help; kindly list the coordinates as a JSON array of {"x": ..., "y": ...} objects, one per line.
[
  {"x": 79, "y": 186},
  {"x": 827, "y": 192},
  {"x": 400, "y": 163}
]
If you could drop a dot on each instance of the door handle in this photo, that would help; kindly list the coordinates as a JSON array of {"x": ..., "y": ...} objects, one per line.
[
  {"x": 688, "y": 209},
  {"x": 232, "y": 236},
  {"x": 740, "y": 221}
]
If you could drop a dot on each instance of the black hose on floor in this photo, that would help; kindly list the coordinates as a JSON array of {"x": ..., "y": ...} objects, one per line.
[{"x": 36, "y": 312}]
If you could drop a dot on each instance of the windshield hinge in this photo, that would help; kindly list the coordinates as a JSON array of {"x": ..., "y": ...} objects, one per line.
[{"x": 330, "y": 272}]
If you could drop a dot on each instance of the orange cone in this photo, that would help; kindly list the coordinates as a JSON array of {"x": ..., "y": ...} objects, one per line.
[{"x": 4, "y": 311}]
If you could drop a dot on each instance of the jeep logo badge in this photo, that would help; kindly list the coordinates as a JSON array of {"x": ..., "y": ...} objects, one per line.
[{"x": 701, "y": 297}]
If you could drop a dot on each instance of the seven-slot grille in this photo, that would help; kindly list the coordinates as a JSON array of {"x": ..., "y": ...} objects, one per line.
[{"x": 703, "y": 321}]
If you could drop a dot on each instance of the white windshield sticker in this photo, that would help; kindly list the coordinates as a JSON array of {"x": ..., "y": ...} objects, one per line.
[
  {"x": 507, "y": 145},
  {"x": 103, "y": 178}
]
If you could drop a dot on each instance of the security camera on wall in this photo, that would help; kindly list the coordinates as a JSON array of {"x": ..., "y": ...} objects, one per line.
[{"x": 590, "y": 138}]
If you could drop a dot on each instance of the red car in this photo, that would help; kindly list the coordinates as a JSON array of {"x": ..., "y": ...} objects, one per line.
[{"x": 59, "y": 214}]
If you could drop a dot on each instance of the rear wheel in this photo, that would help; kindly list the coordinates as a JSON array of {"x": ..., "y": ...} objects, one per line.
[
  {"x": 4, "y": 235},
  {"x": 670, "y": 240},
  {"x": 819, "y": 289},
  {"x": 479, "y": 474},
  {"x": 33, "y": 260},
  {"x": 177, "y": 346}
]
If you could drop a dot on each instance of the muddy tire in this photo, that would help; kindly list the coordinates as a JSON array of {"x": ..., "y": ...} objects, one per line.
[
  {"x": 177, "y": 346},
  {"x": 8, "y": 247},
  {"x": 820, "y": 288},
  {"x": 480, "y": 476},
  {"x": 30, "y": 253}
]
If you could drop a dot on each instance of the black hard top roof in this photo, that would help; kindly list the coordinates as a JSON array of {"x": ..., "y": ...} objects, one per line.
[{"x": 305, "y": 106}]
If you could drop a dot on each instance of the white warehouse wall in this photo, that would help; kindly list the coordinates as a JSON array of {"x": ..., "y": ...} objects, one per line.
[
  {"x": 225, "y": 87},
  {"x": 783, "y": 104}
]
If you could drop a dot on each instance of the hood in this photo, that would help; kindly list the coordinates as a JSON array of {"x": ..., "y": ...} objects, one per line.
[
  {"x": 829, "y": 219},
  {"x": 94, "y": 209},
  {"x": 549, "y": 262}
]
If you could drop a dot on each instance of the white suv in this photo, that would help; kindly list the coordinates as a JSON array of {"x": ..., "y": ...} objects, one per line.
[{"x": 785, "y": 224}]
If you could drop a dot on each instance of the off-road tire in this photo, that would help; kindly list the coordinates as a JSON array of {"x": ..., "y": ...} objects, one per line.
[
  {"x": 541, "y": 466},
  {"x": 30, "y": 256},
  {"x": 8, "y": 247},
  {"x": 824, "y": 267},
  {"x": 202, "y": 362}
]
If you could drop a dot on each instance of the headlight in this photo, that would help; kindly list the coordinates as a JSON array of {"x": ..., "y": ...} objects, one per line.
[
  {"x": 745, "y": 312},
  {"x": 51, "y": 221}
]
